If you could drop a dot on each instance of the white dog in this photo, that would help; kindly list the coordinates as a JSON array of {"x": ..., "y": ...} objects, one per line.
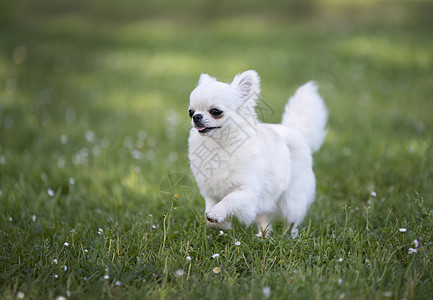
[{"x": 249, "y": 169}]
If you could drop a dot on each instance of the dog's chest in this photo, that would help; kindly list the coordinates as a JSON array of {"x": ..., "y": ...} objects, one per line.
[{"x": 217, "y": 172}]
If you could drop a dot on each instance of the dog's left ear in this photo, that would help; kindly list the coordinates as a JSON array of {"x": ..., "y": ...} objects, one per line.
[
  {"x": 248, "y": 84},
  {"x": 205, "y": 78}
]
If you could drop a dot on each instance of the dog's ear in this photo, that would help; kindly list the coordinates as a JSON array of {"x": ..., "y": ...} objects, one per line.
[
  {"x": 205, "y": 78},
  {"x": 248, "y": 84}
]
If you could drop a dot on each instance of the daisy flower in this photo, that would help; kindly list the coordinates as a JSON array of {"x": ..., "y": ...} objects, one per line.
[
  {"x": 412, "y": 250},
  {"x": 216, "y": 270},
  {"x": 402, "y": 230},
  {"x": 266, "y": 292}
]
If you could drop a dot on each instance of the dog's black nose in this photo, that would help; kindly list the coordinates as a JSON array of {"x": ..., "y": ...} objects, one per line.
[{"x": 197, "y": 118}]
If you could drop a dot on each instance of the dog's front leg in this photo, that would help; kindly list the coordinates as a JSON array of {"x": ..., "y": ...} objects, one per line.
[
  {"x": 223, "y": 225},
  {"x": 239, "y": 203}
]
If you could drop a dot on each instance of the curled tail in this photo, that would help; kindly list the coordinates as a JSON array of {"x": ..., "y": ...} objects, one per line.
[{"x": 306, "y": 112}]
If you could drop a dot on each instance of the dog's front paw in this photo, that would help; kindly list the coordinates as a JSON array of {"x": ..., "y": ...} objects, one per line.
[
  {"x": 215, "y": 215},
  {"x": 211, "y": 217},
  {"x": 224, "y": 225}
]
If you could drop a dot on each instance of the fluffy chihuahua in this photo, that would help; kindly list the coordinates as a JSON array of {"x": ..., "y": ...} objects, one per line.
[{"x": 249, "y": 169}]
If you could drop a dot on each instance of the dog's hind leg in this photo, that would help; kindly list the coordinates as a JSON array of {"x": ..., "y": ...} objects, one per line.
[
  {"x": 264, "y": 225},
  {"x": 295, "y": 201}
]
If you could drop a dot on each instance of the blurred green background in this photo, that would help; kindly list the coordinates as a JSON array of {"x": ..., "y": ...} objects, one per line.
[
  {"x": 93, "y": 114},
  {"x": 100, "y": 86}
]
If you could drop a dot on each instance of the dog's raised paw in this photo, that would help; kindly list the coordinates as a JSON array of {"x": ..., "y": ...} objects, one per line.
[{"x": 210, "y": 218}]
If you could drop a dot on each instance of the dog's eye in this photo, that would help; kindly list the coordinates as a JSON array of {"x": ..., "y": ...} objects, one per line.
[
  {"x": 191, "y": 113},
  {"x": 216, "y": 112}
]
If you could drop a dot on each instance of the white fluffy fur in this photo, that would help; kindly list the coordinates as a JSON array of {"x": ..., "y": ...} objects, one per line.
[{"x": 249, "y": 169}]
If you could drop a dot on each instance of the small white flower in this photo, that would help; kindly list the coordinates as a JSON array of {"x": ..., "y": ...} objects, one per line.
[
  {"x": 85, "y": 278},
  {"x": 10, "y": 219},
  {"x": 154, "y": 226},
  {"x": 50, "y": 192},
  {"x": 221, "y": 232},
  {"x": 118, "y": 283},
  {"x": 412, "y": 250},
  {"x": 20, "y": 295},
  {"x": 63, "y": 139},
  {"x": 55, "y": 261},
  {"x": 65, "y": 268},
  {"x": 100, "y": 231},
  {"x": 402, "y": 229},
  {"x": 56, "y": 276},
  {"x": 340, "y": 259},
  {"x": 341, "y": 296},
  {"x": 416, "y": 243},
  {"x": 66, "y": 244},
  {"x": 188, "y": 257},
  {"x": 216, "y": 270},
  {"x": 34, "y": 218},
  {"x": 60, "y": 298},
  {"x": 340, "y": 281},
  {"x": 215, "y": 255},
  {"x": 373, "y": 193},
  {"x": 106, "y": 276},
  {"x": 238, "y": 243},
  {"x": 71, "y": 181},
  {"x": 90, "y": 136},
  {"x": 179, "y": 272},
  {"x": 68, "y": 293},
  {"x": 266, "y": 292}
]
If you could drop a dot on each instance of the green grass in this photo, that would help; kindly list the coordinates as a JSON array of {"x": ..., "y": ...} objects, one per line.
[{"x": 86, "y": 89}]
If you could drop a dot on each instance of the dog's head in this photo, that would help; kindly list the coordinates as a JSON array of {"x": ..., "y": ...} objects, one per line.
[{"x": 214, "y": 104}]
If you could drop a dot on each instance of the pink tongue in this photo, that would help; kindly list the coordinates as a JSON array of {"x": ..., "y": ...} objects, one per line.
[{"x": 201, "y": 128}]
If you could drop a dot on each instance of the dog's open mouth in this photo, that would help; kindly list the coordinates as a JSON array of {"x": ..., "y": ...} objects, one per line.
[{"x": 204, "y": 129}]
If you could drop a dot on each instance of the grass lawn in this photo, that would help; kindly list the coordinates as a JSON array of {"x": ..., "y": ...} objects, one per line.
[{"x": 96, "y": 196}]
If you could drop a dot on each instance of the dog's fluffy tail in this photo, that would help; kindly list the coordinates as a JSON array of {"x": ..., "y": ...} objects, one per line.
[{"x": 306, "y": 112}]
